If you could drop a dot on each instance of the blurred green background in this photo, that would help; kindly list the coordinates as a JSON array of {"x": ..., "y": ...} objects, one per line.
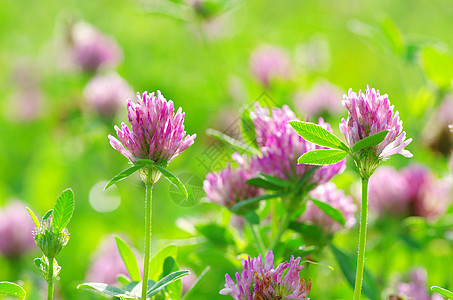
[{"x": 200, "y": 60}]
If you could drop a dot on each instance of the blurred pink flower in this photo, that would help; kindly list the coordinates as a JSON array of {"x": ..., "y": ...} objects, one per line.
[
  {"x": 16, "y": 230},
  {"x": 228, "y": 186},
  {"x": 323, "y": 97},
  {"x": 93, "y": 50},
  {"x": 107, "y": 93},
  {"x": 270, "y": 62},
  {"x": 329, "y": 194},
  {"x": 156, "y": 132},
  {"x": 416, "y": 288},
  {"x": 437, "y": 133},
  {"x": 281, "y": 146},
  {"x": 413, "y": 191},
  {"x": 106, "y": 263},
  {"x": 256, "y": 282},
  {"x": 370, "y": 113}
]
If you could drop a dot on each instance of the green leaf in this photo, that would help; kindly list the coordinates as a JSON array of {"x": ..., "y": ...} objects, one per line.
[
  {"x": 330, "y": 211},
  {"x": 216, "y": 234},
  {"x": 442, "y": 291},
  {"x": 128, "y": 258},
  {"x": 168, "y": 266},
  {"x": 252, "y": 217},
  {"x": 34, "y": 217},
  {"x": 47, "y": 214},
  {"x": 248, "y": 128},
  {"x": 123, "y": 175},
  {"x": 37, "y": 261},
  {"x": 63, "y": 210},
  {"x": 348, "y": 265},
  {"x": 239, "y": 146},
  {"x": 158, "y": 259},
  {"x": 239, "y": 205},
  {"x": 438, "y": 67},
  {"x": 174, "y": 291},
  {"x": 392, "y": 34},
  {"x": 124, "y": 280},
  {"x": 134, "y": 288},
  {"x": 165, "y": 281},
  {"x": 12, "y": 289},
  {"x": 106, "y": 289},
  {"x": 262, "y": 183},
  {"x": 276, "y": 181},
  {"x": 317, "y": 135},
  {"x": 197, "y": 283},
  {"x": 322, "y": 157},
  {"x": 370, "y": 141},
  {"x": 173, "y": 179}
]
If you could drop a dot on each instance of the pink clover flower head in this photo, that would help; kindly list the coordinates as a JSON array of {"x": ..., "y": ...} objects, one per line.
[
  {"x": 227, "y": 187},
  {"x": 388, "y": 193},
  {"x": 270, "y": 62},
  {"x": 258, "y": 281},
  {"x": 429, "y": 197},
  {"x": 16, "y": 230},
  {"x": 106, "y": 263},
  {"x": 416, "y": 288},
  {"x": 328, "y": 193},
  {"x": 156, "y": 132},
  {"x": 105, "y": 94},
  {"x": 370, "y": 113},
  {"x": 281, "y": 146},
  {"x": 92, "y": 49}
]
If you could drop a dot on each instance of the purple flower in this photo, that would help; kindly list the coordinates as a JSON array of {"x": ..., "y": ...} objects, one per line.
[
  {"x": 329, "y": 193},
  {"x": 107, "y": 93},
  {"x": 393, "y": 199},
  {"x": 228, "y": 186},
  {"x": 93, "y": 50},
  {"x": 323, "y": 97},
  {"x": 281, "y": 146},
  {"x": 256, "y": 282},
  {"x": 416, "y": 287},
  {"x": 270, "y": 62},
  {"x": 371, "y": 113},
  {"x": 106, "y": 263},
  {"x": 156, "y": 133},
  {"x": 16, "y": 230},
  {"x": 411, "y": 192},
  {"x": 429, "y": 197}
]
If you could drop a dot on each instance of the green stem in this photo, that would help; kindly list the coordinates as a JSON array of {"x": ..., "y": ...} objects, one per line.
[
  {"x": 50, "y": 279},
  {"x": 281, "y": 230},
  {"x": 257, "y": 238},
  {"x": 148, "y": 224},
  {"x": 362, "y": 240}
]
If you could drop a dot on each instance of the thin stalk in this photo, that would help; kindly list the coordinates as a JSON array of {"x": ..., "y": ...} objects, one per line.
[
  {"x": 362, "y": 240},
  {"x": 257, "y": 238},
  {"x": 50, "y": 280},
  {"x": 281, "y": 230},
  {"x": 148, "y": 231}
]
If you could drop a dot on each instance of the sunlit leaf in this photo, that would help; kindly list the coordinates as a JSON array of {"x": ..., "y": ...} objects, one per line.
[
  {"x": 123, "y": 175},
  {"x": 317, "y": 135},
  {"x": 128, "y": 258},
  {"x": 34, "y": 217},
  {"x": 63, "y": 210},
  {"x": 173, "y": 179},
  {"x": 370, "y": 141},
  {"x": 248, "y": 128},
  {"x": 12, "y": 289},
  {"x": 322, "y": 157},
  {"x": 438, "y": 66},
  {"x": 442, "y": 291},
  {"x": 106, "y": 289},
  {"x": 165, "y": 281},
  {"x": 158, "y": 259}
]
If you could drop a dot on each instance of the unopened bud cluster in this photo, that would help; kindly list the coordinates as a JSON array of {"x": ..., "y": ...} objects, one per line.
[{"x": 49, "y": 241}]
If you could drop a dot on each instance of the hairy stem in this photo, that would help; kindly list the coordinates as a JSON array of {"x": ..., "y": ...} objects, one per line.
[
  {"x": 148, "y": 224},
  {"x": 362, "y": 240},
  {"x": 50, "y": 279}
]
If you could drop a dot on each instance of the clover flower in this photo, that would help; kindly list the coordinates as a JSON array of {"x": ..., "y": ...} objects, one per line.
[
  {"x": 329, "y": 193},
  {"x": 107, "y": 93},
  {"x": 270, "y": 62},
  {"x": 416, "y": 287},
  {"x": 106, "y": 263},
  {"x": 156, "y": 132},
  {"x": 323, "y": 97},
  {"x": 258, "y": 282},
  {"x": 16, "y": 230},
  {"x": 281, "y": 146},
  {"x": 228, "y": 186},
  {"x": 371, "y": 113},
  {"x": 92, "y": 49},
  {"x": 414, "y": 191}
]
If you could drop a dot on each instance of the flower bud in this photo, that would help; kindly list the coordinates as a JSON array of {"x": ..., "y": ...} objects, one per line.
[{"x": 49, "y": 241}]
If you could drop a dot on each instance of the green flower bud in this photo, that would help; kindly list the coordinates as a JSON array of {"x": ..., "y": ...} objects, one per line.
[{"x": 48, "y": 241}]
